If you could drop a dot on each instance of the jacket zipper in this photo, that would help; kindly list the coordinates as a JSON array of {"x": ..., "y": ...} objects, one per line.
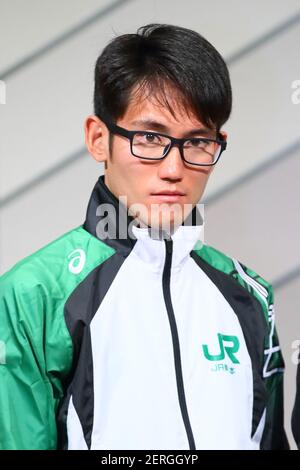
[{"x": 175, "y": 339}]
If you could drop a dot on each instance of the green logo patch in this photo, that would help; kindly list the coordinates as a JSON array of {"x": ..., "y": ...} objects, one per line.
[{"x": 228, "y": 346}]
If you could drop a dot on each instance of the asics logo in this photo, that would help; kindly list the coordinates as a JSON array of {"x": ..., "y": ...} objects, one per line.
[{"x": 78, "y": 259}]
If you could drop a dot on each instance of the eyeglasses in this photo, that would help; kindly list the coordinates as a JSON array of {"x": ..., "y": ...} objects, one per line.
[{"x": 148, "y": 145}]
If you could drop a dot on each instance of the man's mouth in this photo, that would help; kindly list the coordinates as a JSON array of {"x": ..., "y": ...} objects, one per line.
[{"x": 168, "y": 196}]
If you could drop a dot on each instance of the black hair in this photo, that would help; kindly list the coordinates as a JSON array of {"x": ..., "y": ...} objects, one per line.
[{"x": 159, "y": 56}]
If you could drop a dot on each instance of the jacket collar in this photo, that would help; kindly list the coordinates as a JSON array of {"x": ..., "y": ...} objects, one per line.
[
  {"x": 107, "y": 216},
  {"x": 152, "y": 250}
]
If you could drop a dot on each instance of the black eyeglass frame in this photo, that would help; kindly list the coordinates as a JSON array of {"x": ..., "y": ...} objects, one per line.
[{"x": 115, "y": 129}]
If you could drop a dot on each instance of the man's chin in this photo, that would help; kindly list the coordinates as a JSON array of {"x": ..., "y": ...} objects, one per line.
[
  {"x": 161, "y": 216},
  {"x": 160, "y": 221}
]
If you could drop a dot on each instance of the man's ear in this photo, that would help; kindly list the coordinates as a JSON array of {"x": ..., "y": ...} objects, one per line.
[
  {"x": 96, "y": 138},
  {"x": 224, "y": 134}
]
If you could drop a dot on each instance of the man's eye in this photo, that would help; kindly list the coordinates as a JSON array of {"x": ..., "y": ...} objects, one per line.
[
  {"x": 151, "y": 138},
  {"x": 196, "y": 143},
  {"x": 148, "y": 138}
]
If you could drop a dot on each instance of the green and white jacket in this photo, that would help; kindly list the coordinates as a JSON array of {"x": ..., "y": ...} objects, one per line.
[{"x": 137, "y": 343}]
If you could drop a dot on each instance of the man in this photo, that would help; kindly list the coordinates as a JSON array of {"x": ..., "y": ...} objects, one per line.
[{"x": 152, "y": 339}]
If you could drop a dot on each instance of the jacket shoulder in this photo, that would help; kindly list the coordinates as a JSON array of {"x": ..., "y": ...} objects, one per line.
[
  {"x": 64, "y": 261},
  {"x": 247, "y": 277},
  {"x": 33, "y": 294},
  {"x": 35, "y": 290}
]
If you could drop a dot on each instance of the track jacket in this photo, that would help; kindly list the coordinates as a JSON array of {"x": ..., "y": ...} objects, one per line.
[{"x": 137, "y": 343}]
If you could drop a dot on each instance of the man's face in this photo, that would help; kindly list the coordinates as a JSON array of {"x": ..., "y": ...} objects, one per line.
[{"x": 145, "y": 183}]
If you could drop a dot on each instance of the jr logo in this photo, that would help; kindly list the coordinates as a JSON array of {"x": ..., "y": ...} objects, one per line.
[{"x": 230, "y": 347}]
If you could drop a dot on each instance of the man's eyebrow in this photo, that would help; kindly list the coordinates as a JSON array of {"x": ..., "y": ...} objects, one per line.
[{"x": 159, "y": 127}]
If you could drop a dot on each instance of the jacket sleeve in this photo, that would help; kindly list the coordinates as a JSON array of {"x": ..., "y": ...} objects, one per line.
[
  {"x": 274, "y": 436},
  {"x": 296, "y": 409},
  {"x": 28, "y": 396}
]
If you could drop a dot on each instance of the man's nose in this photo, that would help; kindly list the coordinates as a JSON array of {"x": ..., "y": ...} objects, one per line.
[{"x": 172, "y": 166}]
